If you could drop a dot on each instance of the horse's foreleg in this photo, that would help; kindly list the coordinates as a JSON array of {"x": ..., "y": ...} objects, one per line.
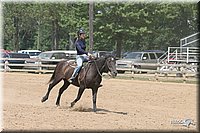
[
  {"x": 94, "y": 97},
  {"x": 62, "y": 89},
  {"x": 80, "y": 92},
  {"x": 50, "y": 88}
]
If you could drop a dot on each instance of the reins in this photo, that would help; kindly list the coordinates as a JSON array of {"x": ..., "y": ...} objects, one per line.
[{"x": 100, "y": 69}]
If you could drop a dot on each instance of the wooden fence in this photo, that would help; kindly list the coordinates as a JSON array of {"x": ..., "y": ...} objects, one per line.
[
  {"x": 36, "y": 66},
  {"x": 30, "y": 65},
  {"x": 180, "y": 70}
]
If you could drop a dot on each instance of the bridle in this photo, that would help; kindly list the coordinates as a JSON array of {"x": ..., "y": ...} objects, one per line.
[{"x": 99, "y": 70}]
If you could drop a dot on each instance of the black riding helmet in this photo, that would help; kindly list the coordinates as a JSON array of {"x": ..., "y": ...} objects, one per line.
[{"x": 80, "y": 31}]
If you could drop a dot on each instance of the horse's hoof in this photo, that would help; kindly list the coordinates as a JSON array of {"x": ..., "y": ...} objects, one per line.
[
  {"x": 43, "y": 99},
  {"x": 94, "y": 110},
  {"x": 72, "y": 104}
]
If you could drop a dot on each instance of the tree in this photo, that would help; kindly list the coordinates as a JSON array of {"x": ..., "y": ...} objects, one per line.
[{"x": 118, "y": 26}]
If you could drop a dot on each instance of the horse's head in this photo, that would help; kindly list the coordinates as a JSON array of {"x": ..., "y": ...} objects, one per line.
[{"x": 110, "y": 65}]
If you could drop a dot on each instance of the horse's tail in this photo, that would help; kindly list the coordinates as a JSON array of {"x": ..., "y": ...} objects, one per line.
[
  {"x": 52, "y": 77},
  {"x": 55, "y": 72},
  {"x": 58, "y": 71}
]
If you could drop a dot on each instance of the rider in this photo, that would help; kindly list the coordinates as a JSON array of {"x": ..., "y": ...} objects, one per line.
[{"x": 82, "y": 55}]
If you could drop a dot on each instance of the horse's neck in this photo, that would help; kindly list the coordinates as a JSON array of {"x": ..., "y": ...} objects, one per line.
[{"x": 100, "y": 64}]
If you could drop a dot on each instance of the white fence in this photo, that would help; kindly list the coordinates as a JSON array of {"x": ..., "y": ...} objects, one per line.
[
  {"x": 30, "y": 65},
  {"x": 183, "y": 54},
  {"x": 179, "y": 69},
  {"x": 185, "y": 71},
  {"x": 190, "y": 41},
  {"x": 182, "y": 70}
]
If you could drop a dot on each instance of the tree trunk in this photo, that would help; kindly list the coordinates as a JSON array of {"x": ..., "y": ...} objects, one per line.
[
  {"x": 55, "y": 34},
  {"x": 16, "y": 35},
  {"x": 38, "y": 37},
  {"x": 71, "y": 43},
  {"x": 118, "y": 46},
  {"x": 91, "y": 12}
]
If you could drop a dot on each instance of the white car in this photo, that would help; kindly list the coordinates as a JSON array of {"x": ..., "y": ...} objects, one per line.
[{"x": 31, "y": 53}]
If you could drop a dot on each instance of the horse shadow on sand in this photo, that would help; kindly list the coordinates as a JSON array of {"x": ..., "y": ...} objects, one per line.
[{"x": 98, "y": 111}]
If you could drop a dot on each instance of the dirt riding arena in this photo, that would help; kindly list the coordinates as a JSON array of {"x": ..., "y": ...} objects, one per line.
[{"x": 127, "y": 105}]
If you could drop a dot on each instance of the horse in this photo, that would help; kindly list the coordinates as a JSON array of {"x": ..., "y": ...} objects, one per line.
[{"x": 90, "y": 77}]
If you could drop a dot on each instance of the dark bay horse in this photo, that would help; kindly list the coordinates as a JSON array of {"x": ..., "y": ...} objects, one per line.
[{"x": 89, "y": 77}]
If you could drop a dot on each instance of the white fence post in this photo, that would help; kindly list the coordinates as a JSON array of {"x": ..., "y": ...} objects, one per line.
[
  {"x": 40, "y": 67},
  {"x": 6, "y": 67}
]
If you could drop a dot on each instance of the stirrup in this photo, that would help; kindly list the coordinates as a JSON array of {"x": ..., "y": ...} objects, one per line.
[{"x": 70, "y": 81}]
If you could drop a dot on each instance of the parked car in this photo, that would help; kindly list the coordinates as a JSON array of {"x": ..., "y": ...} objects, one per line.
[
  {"x": 32, "y": 53},
  {"x": 99, "y": 54},
  {"x": 52, "y": 57},
  {"x": 71, "y": 54},
  {"x": 125, "y": 53},
  {"x": 131, "y": 59},
  {"x": 18, "y": 58},
  {"x": 48, "y": 58}
]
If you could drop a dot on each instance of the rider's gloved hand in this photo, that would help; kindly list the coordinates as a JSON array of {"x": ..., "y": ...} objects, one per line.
[{"x": 91, "y": 57}]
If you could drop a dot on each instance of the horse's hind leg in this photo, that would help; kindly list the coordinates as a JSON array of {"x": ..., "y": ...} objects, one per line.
[
  {"x": 94, "y": 97},
  {"x": 80, "y": 92},
  {"x": 62, "y": 89},
  {"x": 51, "y": 85}
]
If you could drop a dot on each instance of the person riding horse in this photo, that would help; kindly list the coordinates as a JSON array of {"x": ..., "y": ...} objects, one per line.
[
  {"x": 88, "y": 77},
  {"x": 82, "y": 55}
]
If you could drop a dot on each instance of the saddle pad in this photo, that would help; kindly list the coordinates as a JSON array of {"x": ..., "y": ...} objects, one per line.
[{"x": 73, "y": 63}]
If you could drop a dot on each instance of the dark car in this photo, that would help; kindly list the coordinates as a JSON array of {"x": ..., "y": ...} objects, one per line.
[{"x": 14, "y": 58}]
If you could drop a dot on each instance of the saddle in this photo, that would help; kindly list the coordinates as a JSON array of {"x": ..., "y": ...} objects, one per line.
[{"x": 74, "y": 64}]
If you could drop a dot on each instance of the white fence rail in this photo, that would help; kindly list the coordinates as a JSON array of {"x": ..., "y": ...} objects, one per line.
[
  {"x": 190, "y": 41},
  {"x": 182, "y": 69},
  {"x": 171, "y": 68},
  {"x": 30, "y": 65},
  {"x": 183, "y": 54}
]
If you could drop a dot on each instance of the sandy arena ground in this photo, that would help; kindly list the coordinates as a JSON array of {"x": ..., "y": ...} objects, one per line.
[{"x": 122, "y": 105}]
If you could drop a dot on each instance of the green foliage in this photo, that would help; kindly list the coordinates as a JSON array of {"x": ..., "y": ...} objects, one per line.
[{"x": 117, "y": 26}]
